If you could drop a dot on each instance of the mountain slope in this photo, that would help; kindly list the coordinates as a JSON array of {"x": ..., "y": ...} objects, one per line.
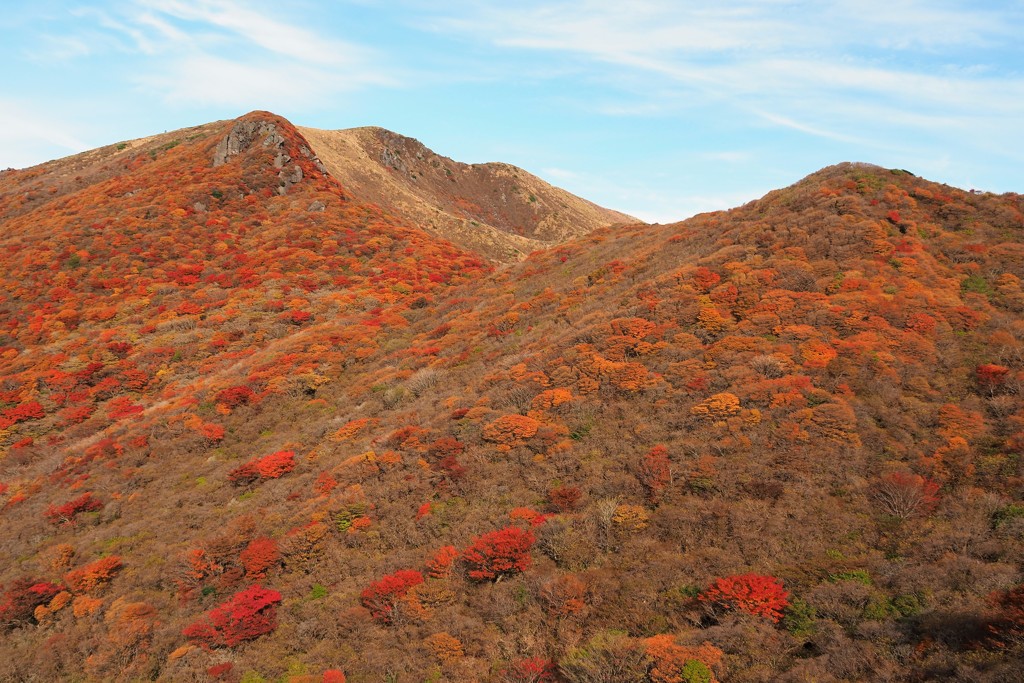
[
  {"x": 567, "y": 469},
  {"x": 493, "y": 209}
]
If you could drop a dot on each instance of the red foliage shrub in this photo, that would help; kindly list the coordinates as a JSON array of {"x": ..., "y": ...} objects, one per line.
[
  {"x": 675, "y": 663},
  {"x": 381, "y": 596},
  {"x": 499, "y": 553},
  {"x": 511, "y": 430},
  {"x": 297, "y": 317},
  {"x": 30, "y": 410},
  {"x": 19, "y": 601},
  {"x": 248, "y": 615},
  {"x": 66, "y": 513},
  {"x": 654, "y": 473},
  {"x": 753, "y": 593},
  {"x": 532, "y": 670},
  {"x": 276, "y": 465},
  {"x": 705, "y": 279},
  {"x": 122, "y": 407},
  {"x": 270, "y": 466},
  {"x": 1008, "y": 626},
  {"x": 259, "y": 556},
  {"x": 564, "y": 498},
  {"x": 210, "y": 431},
  {"x": 452, "y": 468},
  {"x": 76, "y": 414},
  {"x": 244, "y": 475},
  {"x": 440, "y": 565},
  {"x": 220, "y": 672},
  {"x": 325, "y": 483},
  {"x": 444, "y": 447},
  {"x": 334, "y": 676},
  {"x": 991, "y": 377},
  {"x": 235, "y": 396}
]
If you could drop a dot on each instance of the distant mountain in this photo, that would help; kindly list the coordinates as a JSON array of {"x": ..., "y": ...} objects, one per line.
[
  {"x": 256, "y": 425},
  {"x": 493, "y": 209}
]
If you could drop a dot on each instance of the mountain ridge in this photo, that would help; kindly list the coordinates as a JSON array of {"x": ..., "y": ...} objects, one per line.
[{"x": 454, "y": 199}]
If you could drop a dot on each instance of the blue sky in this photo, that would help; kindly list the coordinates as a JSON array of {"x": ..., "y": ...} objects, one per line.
[{"x": 658, "y": 108}]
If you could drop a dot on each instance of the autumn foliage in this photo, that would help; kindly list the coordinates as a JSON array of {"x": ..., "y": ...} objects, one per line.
[
  {"x": 67, "y": 513},
  {"x": 804, "y": 384},
  {"x": 271, "y": 466},
  {"x": 20, "y": 599},
  {"x": 259, "y": 557},
  {"x": 381, "y": 597},
  {"x": 757, "y": 594},
  {"x": 248, "y": 615},
  {"x": 94, "y": 575},
  {"x": 511, "y": 430},
  {"x": 498, "y": 554}
]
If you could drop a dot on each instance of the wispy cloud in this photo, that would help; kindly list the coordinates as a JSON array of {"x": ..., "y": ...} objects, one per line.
[
  {"x": 24, "y": 130},
  {"x": 823, "y": 69},
  {"x": 228, "y": 52}
]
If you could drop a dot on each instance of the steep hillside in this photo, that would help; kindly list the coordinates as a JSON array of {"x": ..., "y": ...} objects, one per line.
[
  {"x": 777, "y": 443},
  {"x": 493, "y": 209}
]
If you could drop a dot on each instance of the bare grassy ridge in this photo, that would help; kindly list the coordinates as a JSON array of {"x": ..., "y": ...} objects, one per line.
[
  {"x": 494, "y": 209},
  {"x": 823, "y": 387}
]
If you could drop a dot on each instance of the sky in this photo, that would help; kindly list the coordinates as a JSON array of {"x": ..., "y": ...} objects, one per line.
[{"x": 658, "y": 108}]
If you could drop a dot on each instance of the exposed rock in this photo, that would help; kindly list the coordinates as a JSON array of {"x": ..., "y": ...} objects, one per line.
[
  {"x": 317, "y": 206},
  {"x": 241, "y": 137},
  {"x": 314, "y": 158}
]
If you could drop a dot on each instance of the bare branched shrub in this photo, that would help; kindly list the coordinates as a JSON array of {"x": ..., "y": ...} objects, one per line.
[
  {"x": 518, "y": 399},
  {"x": 903, "y": 495},
  {"x": 767, "y": 366},
  {"x": 422, "y": 381}
]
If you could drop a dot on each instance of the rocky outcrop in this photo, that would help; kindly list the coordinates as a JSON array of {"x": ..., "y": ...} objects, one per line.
[
  {"x": 247, "y": 132},
  {"x": 241, "y": 137}
]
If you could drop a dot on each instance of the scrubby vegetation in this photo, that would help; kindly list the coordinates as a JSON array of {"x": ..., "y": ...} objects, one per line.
[{"x": 250, "y": 437}]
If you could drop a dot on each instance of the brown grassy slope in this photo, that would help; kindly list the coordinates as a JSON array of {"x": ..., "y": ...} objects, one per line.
[{"x": 494, "y": 209}]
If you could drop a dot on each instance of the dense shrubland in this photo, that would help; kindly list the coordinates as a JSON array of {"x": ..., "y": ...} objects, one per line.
[{"x": 260, "y": 441}]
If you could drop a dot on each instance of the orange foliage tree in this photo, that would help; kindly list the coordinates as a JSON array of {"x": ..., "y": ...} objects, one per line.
[
  {"x": 498, "y": 554},
  {"x": 753, "y": 593},
  {"x": 259, "y": 557}
]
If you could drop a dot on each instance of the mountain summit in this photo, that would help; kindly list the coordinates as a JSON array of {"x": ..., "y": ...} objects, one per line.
[{"x": 255, "y": 426}]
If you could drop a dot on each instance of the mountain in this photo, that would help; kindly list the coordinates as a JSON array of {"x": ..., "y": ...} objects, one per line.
[
  {"x": 258, "y": 429},
  {"x": 493, "y": 209}
]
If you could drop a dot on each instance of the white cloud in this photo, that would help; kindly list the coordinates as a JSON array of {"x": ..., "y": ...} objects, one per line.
[
  {"x": 24, "y": 130},
  {"x": 230, "y": 53},
  {"x": 851, "y": 71},
  {"x": 729, "y": 157},
  {"x": 258, "y": 29},
  {"x": 266, "y": 84},
  {"x": 559, "y": 174}
]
